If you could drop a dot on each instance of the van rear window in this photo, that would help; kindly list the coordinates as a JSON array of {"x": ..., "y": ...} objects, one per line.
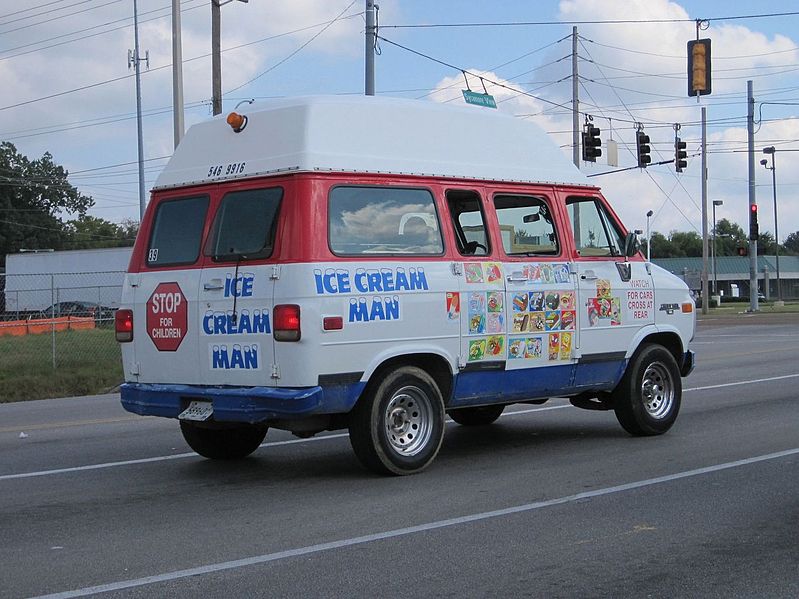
[
  {"x": 177, "y": 231},
  {"x": 244, "y": 227},
  {"x": 383, "y": 220}
]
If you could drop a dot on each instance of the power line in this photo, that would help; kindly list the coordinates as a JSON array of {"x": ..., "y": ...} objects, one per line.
[
  {"x": 60, "y": 17},
  {"x": 166, "y": 66},
  {"x": 465, "y": 72},
  {"x": 17, "y": 12},
  {"x": 298, "y": 50},
  {"x": 586, "y": 22},
  {"x": 85, "y": 37},
  {"x": 682, "y": 57},
  {"x": 43, "y": 13}
]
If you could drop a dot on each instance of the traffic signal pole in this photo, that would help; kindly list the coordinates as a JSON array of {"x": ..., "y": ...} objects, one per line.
[
  {"x": 705, "y": 288},
  {"x": 750, "y": 131}
]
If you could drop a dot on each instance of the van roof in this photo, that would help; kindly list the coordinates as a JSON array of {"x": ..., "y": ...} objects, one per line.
[{"x": 368, "y": 134}]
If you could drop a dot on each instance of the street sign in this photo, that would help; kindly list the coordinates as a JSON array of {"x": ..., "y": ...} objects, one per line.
[
  {"x": 486, "y": 100},
  {"x": 167, "y": 316}
]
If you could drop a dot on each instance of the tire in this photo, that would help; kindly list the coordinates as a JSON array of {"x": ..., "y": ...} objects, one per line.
[
  {"x": 647, "y": 400},
  {"x": 479, "y": 416},
  {"x": 229, "y": 443},
  {"x": 398, "y": 424}
]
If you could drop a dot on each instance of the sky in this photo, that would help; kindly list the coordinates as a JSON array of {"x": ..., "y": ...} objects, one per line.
[{"x": 66, "y": 87}]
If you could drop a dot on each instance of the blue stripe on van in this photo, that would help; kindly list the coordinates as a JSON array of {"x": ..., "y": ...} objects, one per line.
[
  {"x": 504, "y": 386},
  {"x": 240, "y": 404}
]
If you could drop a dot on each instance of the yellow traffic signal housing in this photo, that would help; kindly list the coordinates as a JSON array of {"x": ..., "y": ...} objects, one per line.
[{"x": 699, "y": 67}]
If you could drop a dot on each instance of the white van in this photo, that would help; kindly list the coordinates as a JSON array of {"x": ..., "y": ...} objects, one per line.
[{"x": 374, "y": 264}]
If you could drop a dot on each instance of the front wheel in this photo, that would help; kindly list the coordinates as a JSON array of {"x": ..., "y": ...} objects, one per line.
[
  {"x": 647, "y": 399},
  {"x": 229, "y": 443},
  {"x": 398, "y": 424}
]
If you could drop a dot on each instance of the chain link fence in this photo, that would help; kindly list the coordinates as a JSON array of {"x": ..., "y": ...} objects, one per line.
[{"x": 57, "y": 334}]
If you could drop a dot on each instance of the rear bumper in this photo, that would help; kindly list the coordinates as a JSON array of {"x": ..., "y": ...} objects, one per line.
[
  {"x": 688, "y": 363},
  {"x": 240, "y": 404}
]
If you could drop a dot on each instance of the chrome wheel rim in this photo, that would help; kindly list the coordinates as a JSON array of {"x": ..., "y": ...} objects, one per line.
[
  {"x": 657, "y": 390},
  {"x": 408, "y": 421}
]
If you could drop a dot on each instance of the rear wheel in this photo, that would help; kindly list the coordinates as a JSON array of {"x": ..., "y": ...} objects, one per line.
[
  {"x": 479, "y": 416},
  {"x": 229, "y": 443},
  {"x": 398, "y": 425},
  {"x": 647, "y": 400}
]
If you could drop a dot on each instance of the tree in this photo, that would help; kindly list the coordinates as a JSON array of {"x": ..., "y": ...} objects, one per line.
[
  {"x": 92, "y": 232},
  {"x": 33, "y": 194},
  {"x": 729, "y": 237},
  {"x": 686, "y": 243},
  {"x": 766, "y": 245},
  {"x": 791, "y": 244}
]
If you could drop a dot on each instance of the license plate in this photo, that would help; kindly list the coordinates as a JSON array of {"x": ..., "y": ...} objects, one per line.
[{"x": 197, "y": 411}]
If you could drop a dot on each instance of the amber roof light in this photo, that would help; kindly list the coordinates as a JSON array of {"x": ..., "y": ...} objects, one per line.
[{"x": 237, "y": 121}]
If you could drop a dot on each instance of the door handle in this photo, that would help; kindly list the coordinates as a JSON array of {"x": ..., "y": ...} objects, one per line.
[
  {"x": 517, "y": 277},
  {"x": 213, "y": 285},
  {"x": 588, "y": 275}
]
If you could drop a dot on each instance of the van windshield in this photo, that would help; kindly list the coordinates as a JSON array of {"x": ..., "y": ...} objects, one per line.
[{"x": 244, "y": 227}]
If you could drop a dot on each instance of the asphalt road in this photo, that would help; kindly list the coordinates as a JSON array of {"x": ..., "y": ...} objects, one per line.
[{"x": 550, "y": 501}]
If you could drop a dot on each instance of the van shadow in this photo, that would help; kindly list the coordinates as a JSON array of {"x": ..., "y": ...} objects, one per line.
[{"x": 463, "y": 447}]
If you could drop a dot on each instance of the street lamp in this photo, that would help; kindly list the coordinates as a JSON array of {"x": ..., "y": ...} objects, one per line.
[
  {"x": 216, "y": 55},
  {"x": 713, "y": 247},
  {"x": 772, "y": 151},
  {"x": 648, "y": 238}
]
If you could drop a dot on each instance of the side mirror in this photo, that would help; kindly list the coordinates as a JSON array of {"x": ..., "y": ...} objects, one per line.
[{"x": 631, "y": 245}]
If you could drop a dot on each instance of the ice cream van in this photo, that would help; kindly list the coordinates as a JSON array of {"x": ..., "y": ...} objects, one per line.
[{"x": 378, "y": 265}]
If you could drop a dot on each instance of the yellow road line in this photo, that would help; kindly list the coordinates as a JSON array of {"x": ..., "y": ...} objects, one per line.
[{"x": 55, "y": 425}]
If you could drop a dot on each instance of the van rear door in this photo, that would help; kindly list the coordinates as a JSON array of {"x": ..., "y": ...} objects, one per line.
[
  {"x": 165, "y": 290},
  {"x": 236, "y": 289}
]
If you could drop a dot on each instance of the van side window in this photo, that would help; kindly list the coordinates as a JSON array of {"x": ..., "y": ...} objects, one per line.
[
  {"x": 245, "y": 224},
  {"x": 526, "y": 226},
  {"x": 595, "y": 233},
  {"x": 468, "y": 223},
  {"x": 383, "y": 220},
  {"x": 177, "y": 231}
]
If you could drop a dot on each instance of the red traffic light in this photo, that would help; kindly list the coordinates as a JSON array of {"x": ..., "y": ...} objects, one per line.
[{"x": 753, "y": 208}]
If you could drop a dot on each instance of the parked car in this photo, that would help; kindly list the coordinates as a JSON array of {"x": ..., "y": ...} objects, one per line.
[{"x": 79, "y": 308}]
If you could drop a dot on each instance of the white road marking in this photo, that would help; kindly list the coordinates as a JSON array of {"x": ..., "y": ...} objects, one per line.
[
  {"x": 191, "y": 454},
  {"x": 749, "y": 382},
  {"x": 410, "y": 530}
]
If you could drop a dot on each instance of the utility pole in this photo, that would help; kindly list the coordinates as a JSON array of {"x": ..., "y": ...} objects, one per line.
[
  {"x": 177, "y": 74},
  {"x": 216, "y": 55},
  {"x": 705, "y": 291},
  {"x": 575, "y": 103},
  {"x": 369, "y": 74},
  {"x": 216, "y": 59},
  {"x": 750, "y": 130},
  {"x": 133, "y": 60}
]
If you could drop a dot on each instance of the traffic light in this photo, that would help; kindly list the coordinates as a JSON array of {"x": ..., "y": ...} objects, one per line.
[
  {"x": 680, "y": 154},
  {"x": 591, "y": 143},
  {"x": 754, "y": 230},
  {"x": 642, "y": 148},
  {"x": 699, "y": 67}
]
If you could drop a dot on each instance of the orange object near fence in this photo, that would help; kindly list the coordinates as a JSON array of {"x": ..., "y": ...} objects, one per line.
[{"x": 37, "y": 326}]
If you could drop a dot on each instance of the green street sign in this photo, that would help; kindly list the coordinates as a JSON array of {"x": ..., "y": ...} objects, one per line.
[{"x": 486, "y": 100}]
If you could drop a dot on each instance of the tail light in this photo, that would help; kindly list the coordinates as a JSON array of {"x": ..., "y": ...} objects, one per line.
[
  {"x": 287, "y": 322},
  {"x": 123, "y": 325}
]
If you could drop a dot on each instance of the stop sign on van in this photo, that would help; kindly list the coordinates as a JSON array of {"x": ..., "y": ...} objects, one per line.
[{"x": 167, "y": 316}]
